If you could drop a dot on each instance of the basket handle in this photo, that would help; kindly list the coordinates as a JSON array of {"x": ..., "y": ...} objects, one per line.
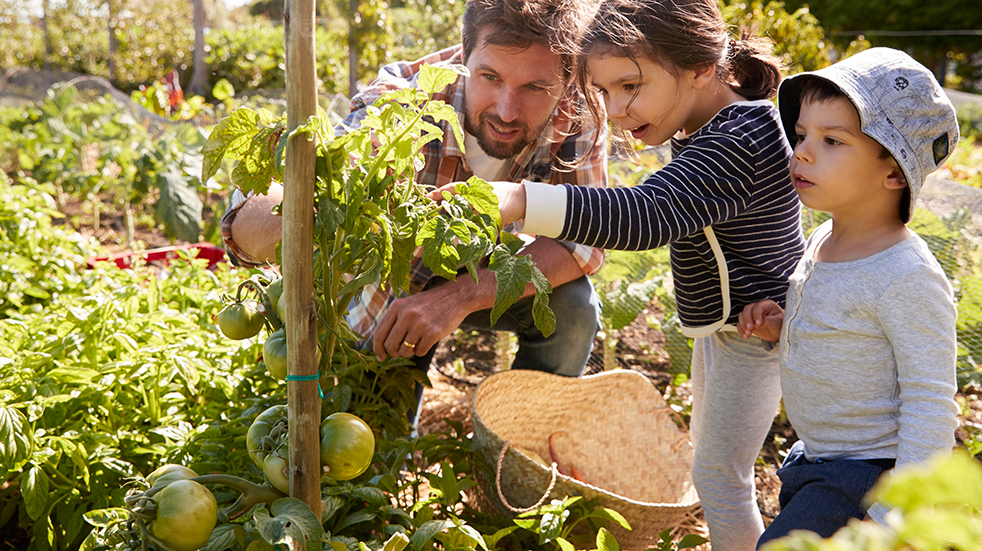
[{"x": 497, "y": 484}]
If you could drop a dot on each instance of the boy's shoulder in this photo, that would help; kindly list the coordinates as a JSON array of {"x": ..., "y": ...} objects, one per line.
[{"x": 911, "y": 258}]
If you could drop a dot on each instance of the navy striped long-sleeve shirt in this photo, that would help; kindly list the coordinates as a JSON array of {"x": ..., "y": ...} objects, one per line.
[{"x": 732, "y": 174}]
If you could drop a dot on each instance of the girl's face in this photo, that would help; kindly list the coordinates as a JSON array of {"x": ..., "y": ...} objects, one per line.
[{"x": 645, "y": 99}]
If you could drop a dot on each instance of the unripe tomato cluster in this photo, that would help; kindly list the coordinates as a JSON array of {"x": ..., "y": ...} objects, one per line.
[
  {"x": 186, "y": 512},
  {"x": 347, "y": 446}
]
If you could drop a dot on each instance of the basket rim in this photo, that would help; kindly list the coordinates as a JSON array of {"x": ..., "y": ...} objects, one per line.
[
  {"x": 575, "y": 483},
  {"x": 692, "y": 498}
]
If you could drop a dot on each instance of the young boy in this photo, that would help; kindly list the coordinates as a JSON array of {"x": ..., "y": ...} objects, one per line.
[{"x": 867, "y": 339}]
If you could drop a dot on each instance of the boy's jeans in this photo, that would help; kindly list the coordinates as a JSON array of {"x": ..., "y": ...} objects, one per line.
[{"x": 822, "y": 496}]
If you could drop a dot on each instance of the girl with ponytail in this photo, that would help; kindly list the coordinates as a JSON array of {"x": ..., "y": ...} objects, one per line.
[{"x": 662, "y": 70}]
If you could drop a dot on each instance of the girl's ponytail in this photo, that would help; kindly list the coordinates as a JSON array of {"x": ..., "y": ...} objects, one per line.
[{"x": 750, "y": 67}]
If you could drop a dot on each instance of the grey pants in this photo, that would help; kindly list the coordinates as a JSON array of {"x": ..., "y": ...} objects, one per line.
[{"x": 736, "y": 389}]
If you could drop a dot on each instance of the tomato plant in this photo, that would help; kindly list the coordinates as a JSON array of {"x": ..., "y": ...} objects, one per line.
[
  {"x": 186, "y": 515},
  {"x": 371, "y": 216},
  {"x": 347, "y": 445},
  {"x": 241, "y": 320}
]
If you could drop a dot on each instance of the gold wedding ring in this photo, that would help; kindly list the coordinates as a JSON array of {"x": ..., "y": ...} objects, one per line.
[{"x": 409, "y": 344}]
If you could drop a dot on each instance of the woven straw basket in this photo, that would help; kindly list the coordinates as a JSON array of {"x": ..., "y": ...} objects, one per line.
[{"x": 613, "y": 427}]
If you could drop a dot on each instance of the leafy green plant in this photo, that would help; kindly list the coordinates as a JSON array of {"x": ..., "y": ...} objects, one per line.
[
  {"x": 95, "y": 151},
  {"x": 370, "y": 215},
  {"x": 37, "y": 259},
  {"x": 99, "y": 383}
]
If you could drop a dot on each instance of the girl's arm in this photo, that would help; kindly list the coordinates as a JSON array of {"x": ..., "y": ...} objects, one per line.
[{"x": 712, "y": 179}]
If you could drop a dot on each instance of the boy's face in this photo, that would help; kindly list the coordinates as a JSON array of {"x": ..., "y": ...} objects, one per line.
[{"x": 836, "y": 168}]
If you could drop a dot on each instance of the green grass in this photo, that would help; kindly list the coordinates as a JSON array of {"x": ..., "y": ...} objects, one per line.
[{"x": 965, "y": 164}]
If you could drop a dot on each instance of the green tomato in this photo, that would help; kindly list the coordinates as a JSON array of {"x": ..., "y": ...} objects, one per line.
[
  {"x": 277, "y": 471},
  {"x": 274, "y": 354},
  {"x": 241, "y": 320},
  {"x": 347, "y": 445},
  {"x": 271, "y": 423},
  {"x": 273, "y": 292},
  {"x": 168, "y": 473},
  {"x": 186, "y": 515},
  {"x": 281, "y": 308}
]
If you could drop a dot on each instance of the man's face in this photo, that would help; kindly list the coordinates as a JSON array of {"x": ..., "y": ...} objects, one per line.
[{"x": 510, "y": 95}]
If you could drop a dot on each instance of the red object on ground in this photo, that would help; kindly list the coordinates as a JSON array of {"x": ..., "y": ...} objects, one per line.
[{"x": 163, "y": 255}]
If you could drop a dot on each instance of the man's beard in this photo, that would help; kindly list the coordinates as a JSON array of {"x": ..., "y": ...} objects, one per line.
[{"x": 495, "y": 148}]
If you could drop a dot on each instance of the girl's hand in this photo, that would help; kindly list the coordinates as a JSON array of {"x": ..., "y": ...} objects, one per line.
[
  {"x": 511, "y": 199},
  {"x": 762, "y": 319}
]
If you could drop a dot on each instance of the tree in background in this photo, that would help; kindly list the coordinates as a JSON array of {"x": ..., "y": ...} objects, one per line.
[
  {"x": 798, "y": 37},
  {"x": 938, "y": 34},
  {"x": 199, "y": 78}
]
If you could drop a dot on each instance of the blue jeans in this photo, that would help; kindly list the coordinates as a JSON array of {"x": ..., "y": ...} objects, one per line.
[
  {"x": 821, "y": 496},
  {"x": 566, "y": 351}
]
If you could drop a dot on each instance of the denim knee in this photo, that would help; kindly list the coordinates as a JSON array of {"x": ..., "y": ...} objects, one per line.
[
  {"x": 566, "y": 351},
  {"x": 821, "y": 496}
]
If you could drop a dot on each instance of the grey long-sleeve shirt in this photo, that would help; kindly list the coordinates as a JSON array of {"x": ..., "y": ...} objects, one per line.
[{"x": 868, "y": 355}]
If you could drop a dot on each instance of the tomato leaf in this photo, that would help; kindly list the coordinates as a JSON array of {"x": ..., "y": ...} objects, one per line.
[
  {"x": 292, "y": 523},
  {"x": 512, "y": 274},
  {"x": 544, "y": 317},
  {"x": 439, "y": 254},
  {"x": 433, "y": 79},
  {"x": 481, "y": 196},
  {"x": 225, "y": 536}
]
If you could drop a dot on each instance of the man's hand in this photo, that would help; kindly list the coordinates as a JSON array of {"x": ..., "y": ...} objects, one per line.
[
  {"x": 763, "y": 319},
  {"x": 511, "y": 199},
  {"x": 412, "y": 325}
]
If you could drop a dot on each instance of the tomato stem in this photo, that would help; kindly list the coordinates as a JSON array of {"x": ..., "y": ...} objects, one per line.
[{"x": 252, "y": 494}]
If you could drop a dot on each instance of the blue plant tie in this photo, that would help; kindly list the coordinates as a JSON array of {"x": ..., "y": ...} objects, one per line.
[{"x": 314, "y": 377}]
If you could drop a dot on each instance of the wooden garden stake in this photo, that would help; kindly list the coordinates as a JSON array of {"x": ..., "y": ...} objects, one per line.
[{"x": 304, "y": 403}]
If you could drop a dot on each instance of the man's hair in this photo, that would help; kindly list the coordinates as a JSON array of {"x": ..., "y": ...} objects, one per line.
[
  {"x": 554, "y": 24},
  {"x": 820, "y": 90}
]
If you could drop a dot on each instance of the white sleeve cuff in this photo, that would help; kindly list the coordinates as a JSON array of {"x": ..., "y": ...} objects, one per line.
[{"x": 545, "y": 209}]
